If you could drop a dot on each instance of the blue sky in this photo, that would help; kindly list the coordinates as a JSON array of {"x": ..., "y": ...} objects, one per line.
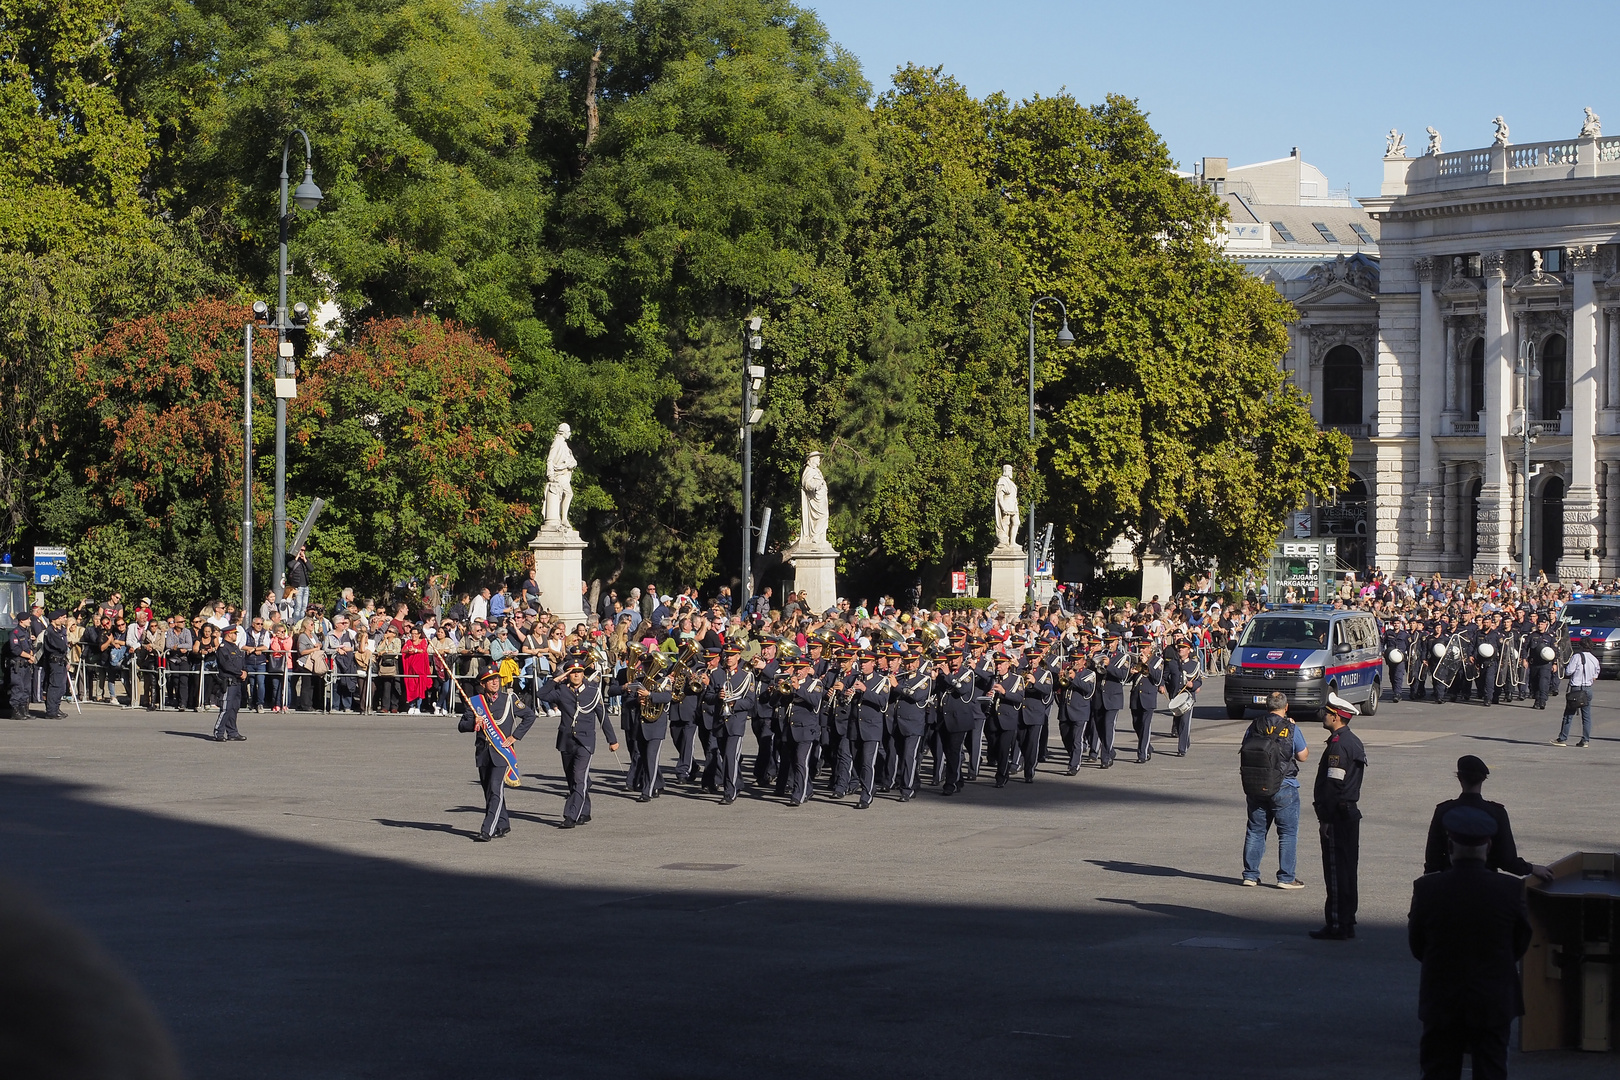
[{"x": 1248, "y": 81}]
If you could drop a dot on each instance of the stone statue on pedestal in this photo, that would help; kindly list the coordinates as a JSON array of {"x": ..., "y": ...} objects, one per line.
[
  {"x": 1501, "y": 131},
  {"x": 1395, "y": 144},
  {"x": 1006, "y": 505},
  {"x": 813, "y": 509},
  {"x": 560, "y": 466},
  {"x": 1434, "y": 142},
  {"x": 1593, "y": 127}
]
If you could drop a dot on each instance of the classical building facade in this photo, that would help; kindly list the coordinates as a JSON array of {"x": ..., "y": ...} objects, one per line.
[{"x": 1488, "y": 299}]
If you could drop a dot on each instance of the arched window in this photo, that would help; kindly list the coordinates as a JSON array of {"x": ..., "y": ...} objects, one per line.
[
  {"x": 1341, "y": 386},
  {"x": 1552, "y": 525},
  {"x": 1554, "y": 377},
  {"x": 1476, "y": 380}
]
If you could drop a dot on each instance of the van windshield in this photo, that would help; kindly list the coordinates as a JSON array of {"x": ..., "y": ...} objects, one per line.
[
  {"x": 1279, "y": 632},
  {"x": 1593, "y": 614}
]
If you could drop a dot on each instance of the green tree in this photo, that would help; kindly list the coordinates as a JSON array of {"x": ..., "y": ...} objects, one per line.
[
  {"x": 408, "y": 435},
  {"x": 1171, "y": 418}
]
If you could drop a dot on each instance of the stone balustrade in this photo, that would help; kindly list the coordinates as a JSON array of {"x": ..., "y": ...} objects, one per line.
[{"x": 1560, "y": 159}]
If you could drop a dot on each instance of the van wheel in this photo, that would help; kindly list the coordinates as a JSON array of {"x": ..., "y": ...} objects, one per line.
[
  {"x": 1236, "y": 712},
  {"x": 1370, "y": 706}
]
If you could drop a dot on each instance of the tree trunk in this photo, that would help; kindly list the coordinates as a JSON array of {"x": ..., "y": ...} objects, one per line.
[{"x": 592, "y": 122}]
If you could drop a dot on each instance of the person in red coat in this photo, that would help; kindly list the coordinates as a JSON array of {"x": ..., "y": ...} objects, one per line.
[{"x": 414, "y": 664}]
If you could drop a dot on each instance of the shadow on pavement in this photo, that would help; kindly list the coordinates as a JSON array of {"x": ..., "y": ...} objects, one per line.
[
  {"x": 275, "y": 958},
  {"x": 1146, "y": 870}
]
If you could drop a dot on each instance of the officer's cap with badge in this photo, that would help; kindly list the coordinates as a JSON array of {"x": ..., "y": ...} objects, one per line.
[
  {"x": 1469, "y": 825},
  {"x": 492, "y": 675},
  {"x": 1345, "y": 709}
]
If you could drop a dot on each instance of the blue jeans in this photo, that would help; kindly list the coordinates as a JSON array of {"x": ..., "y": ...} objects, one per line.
[
  {"x": 1569, "y": 714},
  {"x": 1283, "y": 809}
]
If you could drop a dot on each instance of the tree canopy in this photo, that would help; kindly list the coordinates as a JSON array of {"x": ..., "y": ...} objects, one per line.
[{"x": 538, "y": 213}]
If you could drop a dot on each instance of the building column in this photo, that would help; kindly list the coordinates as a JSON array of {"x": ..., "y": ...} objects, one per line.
[
  {"x": 1520, "y": 508},
  {"x": 1579, "y": 559},
  {"x": 1431, "y": 361},
  {"x": 1611, "y": 324},
  {"x": 1611, "y": 518},
  {"x": 1494, "y": 513}
]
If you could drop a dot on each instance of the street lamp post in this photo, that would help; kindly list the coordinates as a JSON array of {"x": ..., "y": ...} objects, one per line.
[
  {"x": 753, "y": 382},
  {"x": 1065, "y": 339},
  {"x": 307, "y": 197}
]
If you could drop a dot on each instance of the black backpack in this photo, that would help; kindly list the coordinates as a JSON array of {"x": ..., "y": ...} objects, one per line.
[{"x": 1268, "y": 746}]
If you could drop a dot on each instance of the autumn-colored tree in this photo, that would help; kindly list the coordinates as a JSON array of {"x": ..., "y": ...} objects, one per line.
[
  {"x": 159, "y": 448},
  {"x": 409, "y": 435}
]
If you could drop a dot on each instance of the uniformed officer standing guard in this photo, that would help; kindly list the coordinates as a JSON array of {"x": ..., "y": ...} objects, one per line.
[
  {"x": 1337, "y": 792},
  {"x": 232, "y": 663},
  {"x": 1489, "y": 635},
  {"x": 583, "y": 707},
  {"x": 20, "y": 662},
  {"x": 1541, "y": 649},
  {"x": 55, "y": 648},
  {"x": 1398, "y": 643},
  {"x": 514, "y": 719}
]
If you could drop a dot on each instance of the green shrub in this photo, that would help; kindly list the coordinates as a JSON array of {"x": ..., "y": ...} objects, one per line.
[{"x": 962, "y": 603}]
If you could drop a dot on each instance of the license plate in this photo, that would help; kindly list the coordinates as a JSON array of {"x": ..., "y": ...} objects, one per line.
[{"x": 1261, "y": 699}]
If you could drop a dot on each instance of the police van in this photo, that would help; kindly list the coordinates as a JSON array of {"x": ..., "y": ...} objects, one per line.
[
  {"x": 1597, "y": 622},
  {"x": 1307, "y": 651}
]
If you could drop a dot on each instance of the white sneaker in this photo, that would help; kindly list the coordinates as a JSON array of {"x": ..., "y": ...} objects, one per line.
[
  {"x": 1248, "y": 883},
  {"x": 413, "y": 711}
]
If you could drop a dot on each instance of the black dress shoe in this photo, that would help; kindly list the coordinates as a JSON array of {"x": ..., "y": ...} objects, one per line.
[
  {"x": 643, "y": 798},
  {"x": 586, "y": 820},
  {"x": 1029, "y": 779},
  {"x": 480, "y": 838},
  {"x": 863, "y": 806},
  {"x": 238, "y": 738},
  {"x": 219, "y": 738},
  {"x": 728, "y": 800},
  {"x": 501, "y": 832},
  {"x": 948, "y": 789},
  {"x": 1001, "y": 781},
  {"x": 565, "y": 823},
  {"x": 905, "y": 796},
  {"x": 1328, "y": 933}
]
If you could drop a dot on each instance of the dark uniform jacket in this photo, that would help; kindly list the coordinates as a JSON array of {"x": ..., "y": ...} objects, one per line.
[
  {"x": 871, "y": 705},
  {"x": 1145, "y": 694},
  {"x": 231, "y": 660},
  {"x": 960, "y": 698},
  {"x": 1113, "y": 684},
  {"x": 510, "y": 714},
  {"x": 804, "y": 717},
  {"x": 1077, "y": 694},
  {"x": 1039, "y": 687},
  {"x": 707, "y": 680},
  {"x": 1469, "y": 926},
  {"x": 1504, "y": 854},
  {"x": 1338, "y": 776},
  {"x": 582, "y": 710},
  {"x": 56, "y": 648},
  {"x": 1010, "y": 701},
  {"x": 652, "y": 719},
  {"x": 911, "y": 691},
  {"x": 733, "y": 717}
]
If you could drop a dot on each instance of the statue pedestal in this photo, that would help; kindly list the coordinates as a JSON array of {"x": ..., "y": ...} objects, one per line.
[
  {"x": 815, "y": 573},
  {"x": 557, "y": 558},
  {"x": 1007, "y": 566}
]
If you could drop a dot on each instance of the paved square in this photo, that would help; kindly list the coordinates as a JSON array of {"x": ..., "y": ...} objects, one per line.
[{"x": 308, "y": 904}]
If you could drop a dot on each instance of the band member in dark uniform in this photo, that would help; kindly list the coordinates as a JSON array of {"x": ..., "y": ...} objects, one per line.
[
  {"x": 583, "y": 707},
  {"x": 803, "y": 727}
]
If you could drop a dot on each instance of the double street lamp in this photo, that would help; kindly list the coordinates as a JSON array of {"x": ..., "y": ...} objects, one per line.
[
  {"x": 307, "y": 196},
  {"x": 1066, "y": 340}
]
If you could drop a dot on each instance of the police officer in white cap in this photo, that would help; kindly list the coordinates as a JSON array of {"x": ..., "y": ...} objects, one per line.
[{"x": 1338, "y": 818}]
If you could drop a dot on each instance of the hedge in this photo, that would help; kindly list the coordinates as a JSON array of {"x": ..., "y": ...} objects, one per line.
[{"x": 962, "y": 603}]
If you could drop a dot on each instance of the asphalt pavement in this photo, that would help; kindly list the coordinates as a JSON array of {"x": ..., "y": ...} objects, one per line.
[{"x": 309, "y": 904}]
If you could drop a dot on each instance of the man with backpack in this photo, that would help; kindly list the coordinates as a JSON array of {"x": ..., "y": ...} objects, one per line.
[{"x": 1269, "y": 761}]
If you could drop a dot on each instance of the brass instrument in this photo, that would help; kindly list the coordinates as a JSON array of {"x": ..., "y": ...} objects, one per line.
[
  {"x": 729, "y": 697},
  {"x": 890, "y": 631}
]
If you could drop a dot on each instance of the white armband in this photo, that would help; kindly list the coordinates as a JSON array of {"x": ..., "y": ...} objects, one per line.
[{"x": 1335, "y": 774}]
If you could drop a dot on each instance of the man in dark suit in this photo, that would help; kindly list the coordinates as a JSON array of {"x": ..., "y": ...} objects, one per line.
[
  {"x": 959, "y": 711},
  {"x": 1471, "y": 774},
  {"x": 1145, "y": 699},
  {"x": 1469, "y": 927},
  {"x": 912, "y": 689},
  {"x": 730, "y": 699},
  {"x": 514, "y": 719},
  {"x": 804, "y": 726},
  {"x": 232, "y": 662},
  {"x": 1008, "y": 693},
  {"x": 871, "y": 689}
]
